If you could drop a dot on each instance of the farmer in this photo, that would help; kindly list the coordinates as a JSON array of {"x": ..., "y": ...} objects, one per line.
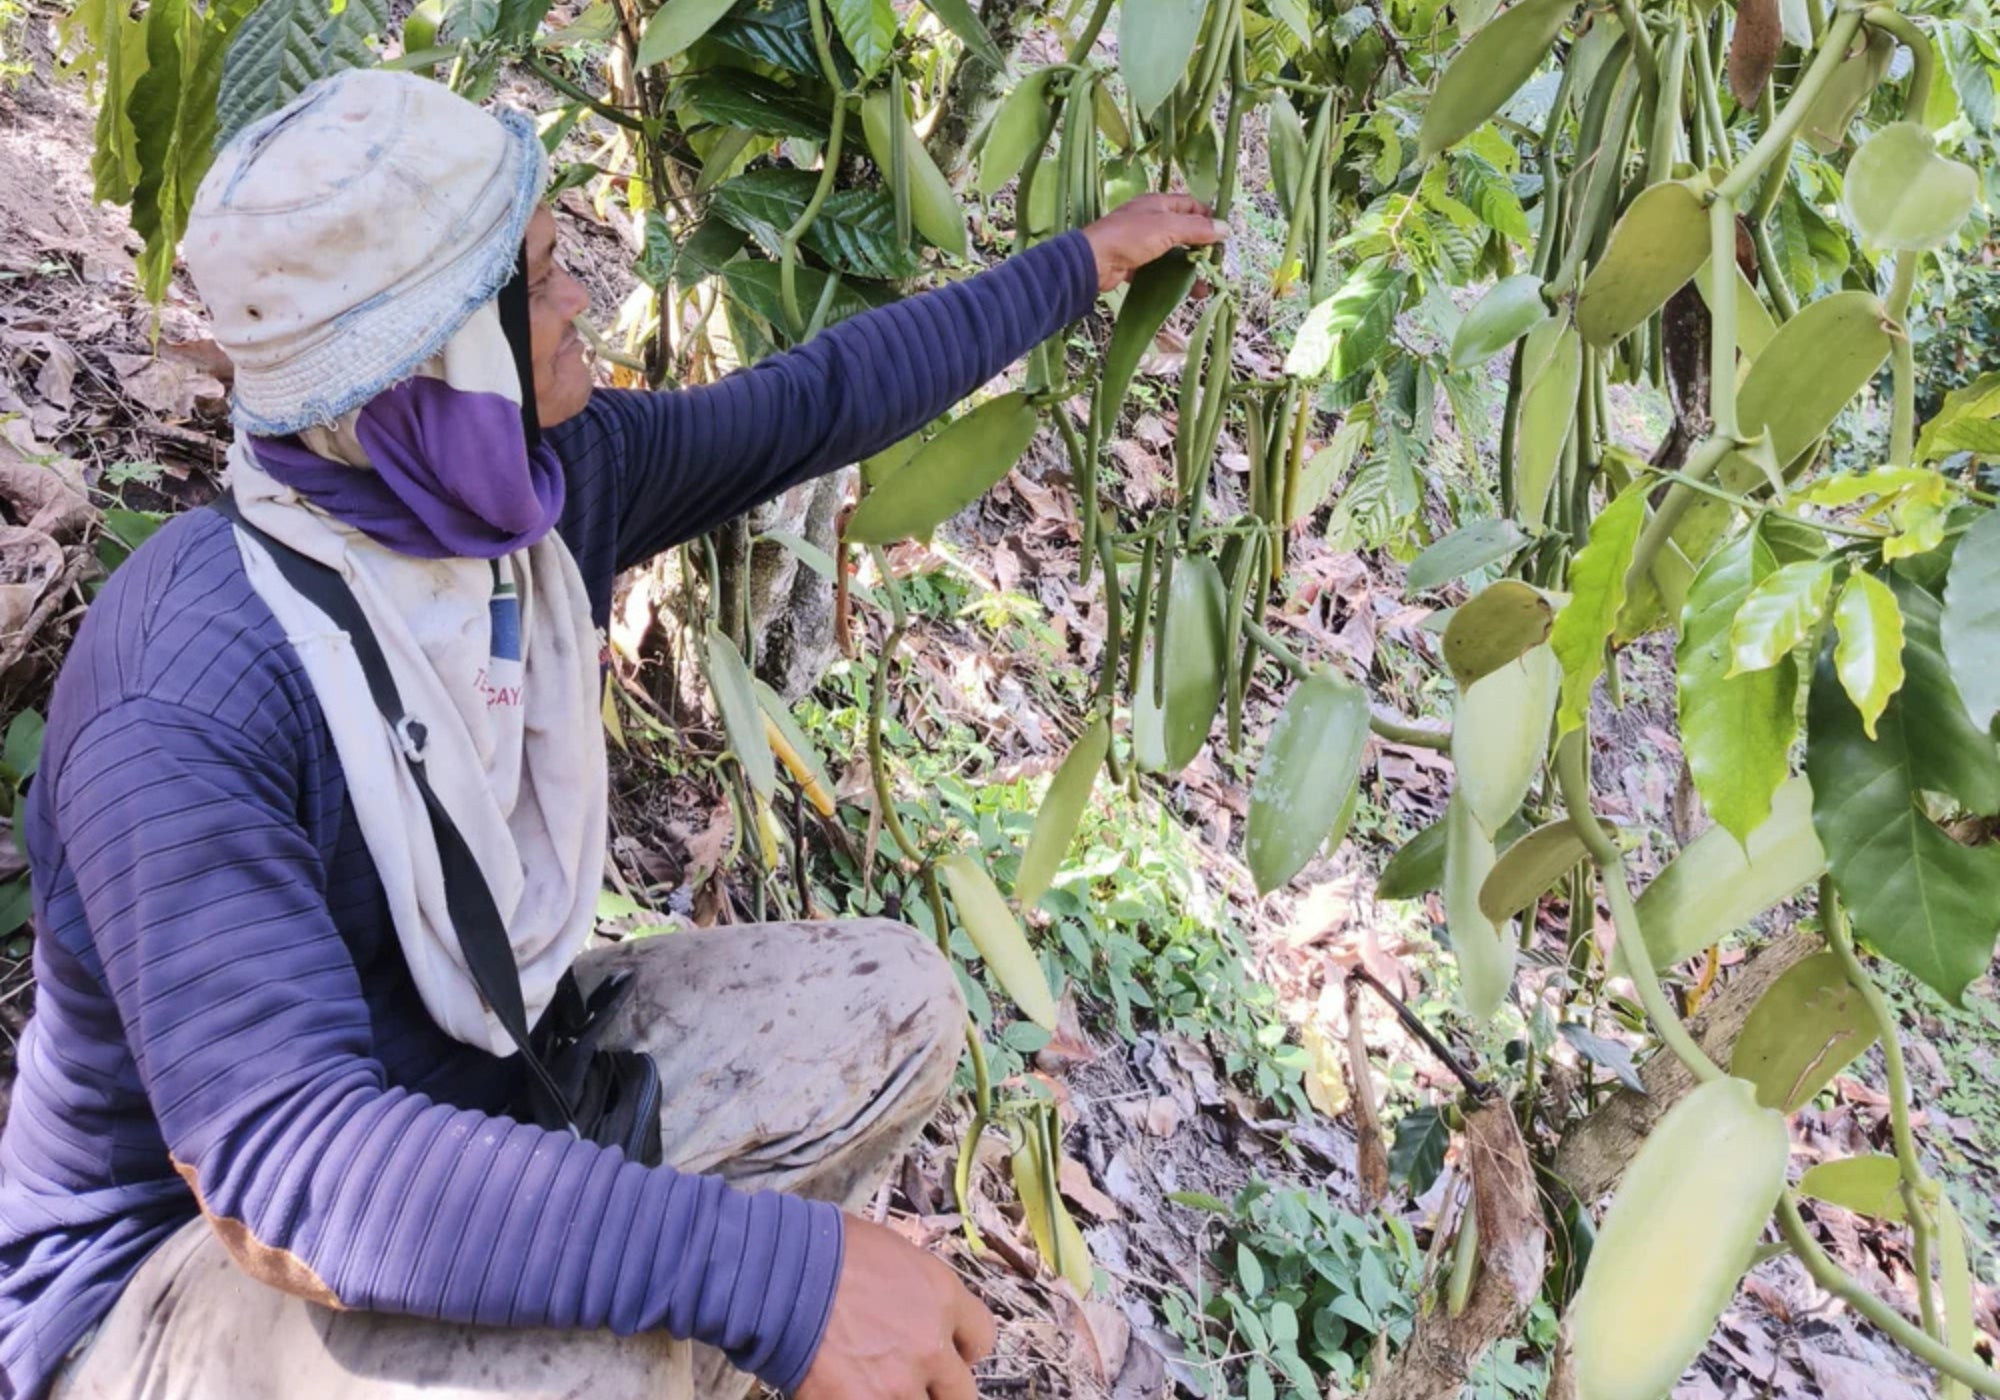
[{"x": 274, "y": 1133}]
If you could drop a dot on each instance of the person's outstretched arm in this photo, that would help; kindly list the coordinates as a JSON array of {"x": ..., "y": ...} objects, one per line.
[{"x": 681, "y": 462}]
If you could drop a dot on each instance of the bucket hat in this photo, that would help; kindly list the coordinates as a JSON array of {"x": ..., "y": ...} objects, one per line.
[{"x": 340, "y": 242}]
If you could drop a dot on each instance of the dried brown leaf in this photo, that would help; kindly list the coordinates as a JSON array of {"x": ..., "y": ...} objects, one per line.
[{"x": 1753, "y": 53}]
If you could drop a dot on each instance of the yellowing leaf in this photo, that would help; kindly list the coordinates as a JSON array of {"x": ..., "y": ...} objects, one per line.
[
  {"x": 1867, "y": 1185},
  {"x": 1869, "y": 655},
  {"x": 997, "y": 934},
  {"x": 1597, "y": 592},
  {"x": 1495, "y": 626},
  {"x": 1779, "y": 613},
  {"x": 1551, "y": 379},
  {"x": 1903, "y": 195}
]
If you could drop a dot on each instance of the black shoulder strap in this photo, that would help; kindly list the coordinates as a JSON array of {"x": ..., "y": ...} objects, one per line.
[{"x": 482, "y": 933}]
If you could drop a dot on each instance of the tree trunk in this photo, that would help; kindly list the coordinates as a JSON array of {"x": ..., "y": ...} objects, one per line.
[
  {"x": 1593, "y": 1152},
  {"x": 790, "y": 606},
  {"x": 976, "y": 88}
]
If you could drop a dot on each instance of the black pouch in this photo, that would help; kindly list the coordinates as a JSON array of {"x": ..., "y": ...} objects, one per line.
[{"x": 610, "y": 1097}]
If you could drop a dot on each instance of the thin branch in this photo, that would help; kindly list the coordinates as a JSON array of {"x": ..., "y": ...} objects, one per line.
[{"x": 1475, "y": 1086}]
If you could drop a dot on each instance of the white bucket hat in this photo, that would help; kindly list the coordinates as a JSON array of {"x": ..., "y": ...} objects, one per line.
[{"x": 342, "y": 240}]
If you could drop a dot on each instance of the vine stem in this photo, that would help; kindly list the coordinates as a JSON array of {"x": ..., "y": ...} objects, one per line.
[
  {"x": 1778, "y": 137},
  {"x": 1573, "y": 776},
  {"x": 1923, "y": 58},
  {"x": 1918, "y": 1191},
  {"x": 1903, "y": 416},
  {"x": 1701, "y": 465},
  {"x": 1392, "y": 727},
  {"x": 878, "y": 769},
  {"x": 1840, "y": 1284},
  {"x": 829, "y": 168},
  {"x": 1722, "y": 317}
]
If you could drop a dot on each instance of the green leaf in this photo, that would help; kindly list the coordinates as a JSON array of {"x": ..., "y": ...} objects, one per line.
[
  {"x": 1017, "y": 128},
  {"x": 732, "y": 97},
  {"x": 1156, "y": 39},
  {"x": 1485, "y": 951},
  {"x": 17, "y": 904},
  {"x": 1807, "y": 1027},
  {"x": 1901, "y": 194},
  {"x": 1958, "y": 756},
  {"x": 1497, "y": 625},
  {"x": 1417, "y": 868},
  {"x": 1918, "y": 896},
  {"x": 1780, "y": 612},
  {"x": 1968, "y": 422},
  {"x": 1970, "y": 627},
  {"x": 1736, "y": 730},
  {"x": 933, "y": 206},
  {"x": 1348, "y": 332},
  {"x": 1156, "y": 289},
  {"x": 948, "y": 473},
  {"x": 1613, "y": 1055},
  {"x": 868, "y": 28},
  {"x": 286, "y": 44},
  {"x": 1191, "y": 651},
  {"x": 1306, "y": 778},
  {"x": 675, "y": 26},
  {"x": 1464, "y": 551},
  {"x": 1551, "y": 378},
  {"x": 997, "y": 934},
  {"x": 1530, "y": 868},
  {"x": 1869, "y": 655},
  {"x": 1718, "y": 884},
  {"x": 1417, "y": 1154},
  {"x": 1955, "y": 1282},
  {"x": 1062, "y": 808},
  {"x": 1489, "y": 70},
  {"x": 1287, "y": 142},
  {"x": 1868, "y": 1185},
  {"x": 1499, "y": 734},
  {"x": 777, "y": 32},
  {"x": 1809, "y": 373},
  {"x": 1597, "y": 593},
  {"x": 958, "y": 17},
  {"x": 1660, "y": 242},
  {"x": 742, "y": 718},
  {"x": 1508, "y": 311},
  {"x": 1249, "y": 1271},
  {"x": 755, "y": 284},
  {"x": 855, "y": 230},
  {"x": 120, "y": 42}
]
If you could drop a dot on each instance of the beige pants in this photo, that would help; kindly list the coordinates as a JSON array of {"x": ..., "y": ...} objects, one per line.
[{"x": 793, "y": 1057}]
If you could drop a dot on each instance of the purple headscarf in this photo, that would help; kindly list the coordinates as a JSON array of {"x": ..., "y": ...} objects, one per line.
[{"x": 454, "y": 475}]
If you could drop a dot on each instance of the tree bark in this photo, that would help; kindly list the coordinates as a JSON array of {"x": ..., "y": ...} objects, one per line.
[
  {"x": 977, "y": 87},
  {"x": 1593, "y": 1152}
]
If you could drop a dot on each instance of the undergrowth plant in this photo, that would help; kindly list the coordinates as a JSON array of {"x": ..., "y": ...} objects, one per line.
[{"x": 1743, "y": 205}]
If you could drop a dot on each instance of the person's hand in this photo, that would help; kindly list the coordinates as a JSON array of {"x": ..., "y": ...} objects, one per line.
[
  {"x": 1146, "y": 228},
  {"x": 903, "y": 1326}
]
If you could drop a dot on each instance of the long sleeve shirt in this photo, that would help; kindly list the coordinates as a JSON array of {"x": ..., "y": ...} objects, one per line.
[{"x": 224, "y": 1022}]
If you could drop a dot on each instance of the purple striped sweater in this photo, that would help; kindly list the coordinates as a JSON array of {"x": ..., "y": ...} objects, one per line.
[{"x": 224, "y": 1021}]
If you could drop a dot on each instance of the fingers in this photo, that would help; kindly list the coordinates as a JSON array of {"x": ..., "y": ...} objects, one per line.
[
  {"x": 953, "y": 1381},
  {"x": 1197, "y": 231},
  {"x": 974, "y": 1330}
]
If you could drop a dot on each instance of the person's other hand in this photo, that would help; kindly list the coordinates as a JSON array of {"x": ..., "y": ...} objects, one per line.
[
  {"x": 1146, "y": 228},
  {"x": 903, "y": 1326}
]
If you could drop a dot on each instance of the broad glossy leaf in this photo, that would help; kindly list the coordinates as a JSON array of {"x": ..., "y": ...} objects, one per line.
[
  {"x": 1918, "y": 896},
  {"x": 1808, "y": 1026},
  {"x": 1780, "y": 612},
  {"x": 1156, "y": 38},
  {"x": 1062, "y": 808},
  {"x": 1499, "y": 734},
  {"x": 1661, "y": 241},
  {"x": 1287, "y": 141},
  {"x": 1465, "y": 551},
  {"x": 1348, "y": 332},
  {"x": 1529, "y": 869},
  {"x": 1811, "y": 370},
  {"x": 1156, "y": 289},
  {"x": 1490, "y": 69},
  {"x": 1597, "y": 593},
  {"x": 1018, "y": 127},
  {"x": 948, "y": 473},
  {"x": 742, "y": 718},
  {"x": 1970, "y": 627},
  {"x": 676, "y": 25},
  {"x": 997, "y": 934},
  {"x": 1869, "y": 654},
  {"x": 1485, "y": 953},
  {"x": 1867, "y": 1185},
  {"x": 1717, "y": 884},
  {"x": 868, "y": 28},
  {"x": 1192, "y": 655},
  {"x": 1605, "y": 1053},
  {"x": 1551, "y": 378},
  {"x": 1902, "y": 194},
  {"x": 1968, "y": 422},
  {"x": 1678, "y": 1237},
  {"x": 1957, "y": 757},
  {"x": 1306, "y": 778},
  {"x": 855, "y": 230},
  {"x": 777, "y": 32},
  {"x": 282, "y": 46},
  {"x": 732, "y": 97},
  {"x": 1736, "y": 730},
  {"x": 1509, "y": 310},
  {"x": 933, "y": 207},
  {"x": 1417, "y": 868},
  {"x": 1328, "y": 466},
  {"x": 755, "y": 284},
  {"x": 1494, "y": 627}
]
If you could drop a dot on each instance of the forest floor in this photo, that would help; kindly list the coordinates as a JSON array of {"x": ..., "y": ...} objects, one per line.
[{"x": 1220, "y": 1055}]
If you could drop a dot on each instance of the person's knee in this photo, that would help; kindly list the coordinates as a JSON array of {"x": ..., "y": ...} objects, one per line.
[{"x": 923, "y": 1008}]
